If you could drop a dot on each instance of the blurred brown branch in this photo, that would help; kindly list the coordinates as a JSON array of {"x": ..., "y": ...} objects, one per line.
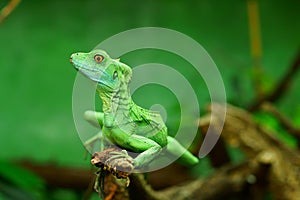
[
  {"x": 283, "y": 120},
  {"x": 227, "y": 181},
  {"x": 241, "y": 131},
  {"x": 8, "y": 9},
  {"x": 281, "y": 87},
  {"x": 60, "y": 177},
  {"x": 270, "y": 166}
]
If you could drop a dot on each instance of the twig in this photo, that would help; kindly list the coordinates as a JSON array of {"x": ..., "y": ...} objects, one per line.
[
  {"x": 8, "y": 9},
  {"x": 284, "y": 121},
  {"x": 281, "y": 87},
  {"x": 255, "y": 43}
]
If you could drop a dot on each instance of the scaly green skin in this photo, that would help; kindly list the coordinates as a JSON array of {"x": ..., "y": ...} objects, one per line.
[{"x": 123, "y": 122}]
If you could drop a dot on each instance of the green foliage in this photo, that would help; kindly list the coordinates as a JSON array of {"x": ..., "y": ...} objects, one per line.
[
  {"x": 236, "y": 155},
  {"x": 17, "y": 181},
  {"x": 63, "y": 194}
]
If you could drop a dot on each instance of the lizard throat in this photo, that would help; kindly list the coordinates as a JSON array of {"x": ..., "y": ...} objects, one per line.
[{"x": 116, "y": 101}]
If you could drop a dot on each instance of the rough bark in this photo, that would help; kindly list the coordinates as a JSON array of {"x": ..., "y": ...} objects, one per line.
[{"x": 269, "y": 166}]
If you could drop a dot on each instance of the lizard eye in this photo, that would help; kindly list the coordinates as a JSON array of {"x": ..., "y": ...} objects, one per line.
[
  {"x": 115, "y": 75},
  {"x": 98, "y": 58}
]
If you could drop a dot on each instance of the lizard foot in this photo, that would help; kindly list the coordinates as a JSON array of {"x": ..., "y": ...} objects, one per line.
[{"x": 115, "y": 161}]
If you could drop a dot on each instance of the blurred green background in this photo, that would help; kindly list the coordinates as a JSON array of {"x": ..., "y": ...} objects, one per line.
[{"x": 36, "y": 78}]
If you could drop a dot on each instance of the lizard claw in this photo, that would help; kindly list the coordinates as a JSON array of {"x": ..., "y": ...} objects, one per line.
[
  {"x": 118, "y": 154},
  {"x": 120, "y": 160},
  {"x": 117, "y": 162}
]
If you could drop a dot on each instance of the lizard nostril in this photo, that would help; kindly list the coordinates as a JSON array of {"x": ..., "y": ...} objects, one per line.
[{"x": 70, "y": 59}]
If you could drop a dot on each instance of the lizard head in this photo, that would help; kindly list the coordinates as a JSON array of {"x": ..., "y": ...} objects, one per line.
[{"x": 99, "y": 67}]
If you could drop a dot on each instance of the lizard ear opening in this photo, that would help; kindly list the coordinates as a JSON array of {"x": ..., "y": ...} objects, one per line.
[
  {"x": 127, "y": 73},
  {"x": 115, "y": 75}
]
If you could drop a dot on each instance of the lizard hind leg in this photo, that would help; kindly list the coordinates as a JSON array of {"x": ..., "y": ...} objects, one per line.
[
  {"x": 146, "y": 148},
  {"x": 96, "y": 119}
]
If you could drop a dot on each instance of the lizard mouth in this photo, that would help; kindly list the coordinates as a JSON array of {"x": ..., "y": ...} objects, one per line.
[{"x": 93, "y": 74}]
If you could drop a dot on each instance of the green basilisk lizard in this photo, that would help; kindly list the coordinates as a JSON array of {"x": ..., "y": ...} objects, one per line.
[{"x": 124, "y": 123}]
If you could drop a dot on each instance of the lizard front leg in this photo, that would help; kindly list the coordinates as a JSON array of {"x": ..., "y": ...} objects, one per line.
[{"x": 96, "y": 119}]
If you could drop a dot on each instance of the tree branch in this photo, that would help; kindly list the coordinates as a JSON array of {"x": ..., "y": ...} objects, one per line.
[
  {"x": 281, "y": 87},
  {"x": 270, "y": 167},
  {"x": 240, "y": 130},
  {"x": 226, "y": 182},
  {"x": 8, "y": 9},
  {"x": 284, "y": 121}
]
